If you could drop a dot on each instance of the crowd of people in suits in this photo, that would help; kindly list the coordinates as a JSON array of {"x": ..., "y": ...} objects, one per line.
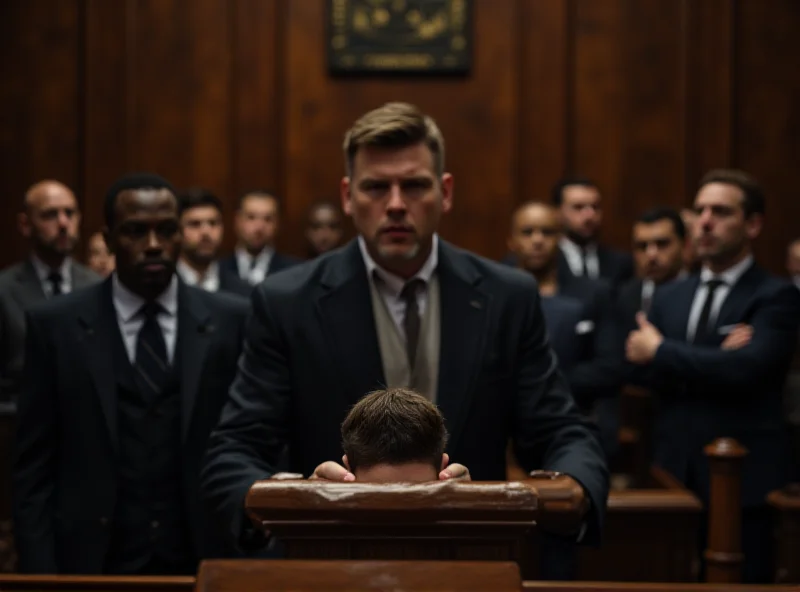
[{"x": 154, "y": 389}]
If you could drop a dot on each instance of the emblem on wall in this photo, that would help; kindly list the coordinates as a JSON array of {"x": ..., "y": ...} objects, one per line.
[{"x": 399, "y": 36}]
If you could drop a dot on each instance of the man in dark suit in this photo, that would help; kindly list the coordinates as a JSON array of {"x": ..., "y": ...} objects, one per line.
[
  {"x": 202, "y": 232},
  {"x": 257, "y": 221},
  {"x": 659, "y": 239},
  {"x": 123, "y": 383},
  {"x": 590, "y": 347},
  {"x": 398, "y": 307},
  {"x": 717, "y": 347},
  {"x": 50, "y": 220},
  {"x": 578, "y": 201}
]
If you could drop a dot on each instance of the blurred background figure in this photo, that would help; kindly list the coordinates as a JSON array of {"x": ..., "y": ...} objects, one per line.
[
  {"x": 325, "y": 229},
  {"x": 257, "y": 224},
  {"x": 793, "y": 261},
  {"x": 202, "y": 230},
  {"x": 99, "y": 259},
  {"x": 690, "y": 261}
]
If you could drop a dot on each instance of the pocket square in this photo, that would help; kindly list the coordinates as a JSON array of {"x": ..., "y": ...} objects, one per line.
[{"x": 584, "y": 327}]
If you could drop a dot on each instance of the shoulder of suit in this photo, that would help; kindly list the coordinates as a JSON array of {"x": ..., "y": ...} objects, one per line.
[
  {"x": 221, "y": 301},
  {"x": 85, "y": 272},
  {"x": 8, "y": 276},
  {"x": 67, "y": 305},
  {"x": 491, "y": 271}
]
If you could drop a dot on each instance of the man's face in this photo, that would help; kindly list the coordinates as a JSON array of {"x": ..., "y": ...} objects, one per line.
[
  {"x": 535, "y": 232},
  {"x": 657, "y": 251},
  {"x": 793, "y": 259},
  {"x": 146, "y": 239},
  {"x": 722, "y": 232},
  {"x": 396, "y": 200},
  {"x": 257, "y": 222},
  {"x": 324, "y": 232},
  {"x": 99, "y": 259},
  {"x": 51, "y": 219},
  {"x": 581, "y": 213},
  {"x": 202, "y": 234}
]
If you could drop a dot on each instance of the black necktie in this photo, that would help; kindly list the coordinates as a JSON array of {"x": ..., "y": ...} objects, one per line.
[
  {"x": 411, "y": 321},
  {"x": 55, "y": 280},
  {"x": 585, "y": 257},
  {"x": 701, "y": 331},
  {"x": 152, "y": 363}
]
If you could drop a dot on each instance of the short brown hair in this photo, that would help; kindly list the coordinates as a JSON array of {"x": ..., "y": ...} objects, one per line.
[
  {"x": 394, "y": 125},
  {"x": 393, "y": 426},
  {"x": 754, "y": 202}
]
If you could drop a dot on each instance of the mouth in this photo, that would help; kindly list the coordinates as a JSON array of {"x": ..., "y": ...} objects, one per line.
[
  {"x": 400, "y": 232},
  {"x": 153, "y": 267}
]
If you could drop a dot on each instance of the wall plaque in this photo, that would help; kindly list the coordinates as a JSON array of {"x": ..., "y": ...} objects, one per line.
[{"x": 399, "y": 36}]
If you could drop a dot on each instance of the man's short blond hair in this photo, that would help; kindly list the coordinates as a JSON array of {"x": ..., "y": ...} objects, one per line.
[{"x": 394, "y": 125}]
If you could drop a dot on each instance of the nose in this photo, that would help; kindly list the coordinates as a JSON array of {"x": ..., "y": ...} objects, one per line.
[
  {"x": 63, "y": 219},
  {"x": 153, "y": 242},
  {"x": 651, "y": 251},
  {"x": 396, "y": 202}
]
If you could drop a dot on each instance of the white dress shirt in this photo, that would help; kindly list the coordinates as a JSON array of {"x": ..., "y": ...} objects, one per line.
[
  {"x": 574, "y": 255},
  {"x": 43, "y": 271},
  {"x": 208, "y": 281},
  {"x": 250, "y": 272},
  {"x": 391, "y": 285},
  {"x": 730, "y": 276},
  {"x": 131, "y": 318}
]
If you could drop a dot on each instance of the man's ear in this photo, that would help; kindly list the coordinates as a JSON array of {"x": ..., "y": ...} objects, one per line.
[
  {"x": 344, "y": 195},
  {"x": 445, "y": 461},
  {"x": 346, "y": 463}
]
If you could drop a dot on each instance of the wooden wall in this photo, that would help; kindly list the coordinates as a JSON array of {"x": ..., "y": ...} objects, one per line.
[{"x": 643, "y": 95}]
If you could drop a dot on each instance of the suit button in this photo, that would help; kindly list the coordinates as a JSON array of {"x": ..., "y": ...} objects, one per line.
[{"x": 103, "y": 521}]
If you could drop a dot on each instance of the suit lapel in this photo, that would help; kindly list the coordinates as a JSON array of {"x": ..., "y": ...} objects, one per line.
[
  {"x": 564, "y": 271},
  {"x": 99, "y": 328},
  {"x": 345, "y": 313},
  {"x": 733, "y": 308},
  {"x": 464, "y": 316},
  {"x": 683, "y": 307},
  {"x": 195, "y": 330}
]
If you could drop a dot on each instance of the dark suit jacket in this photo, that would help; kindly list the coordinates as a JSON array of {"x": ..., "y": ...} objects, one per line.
[
  {"x": 616, "y": 267},
  {"x": 229, "y": 281},
  {"x": 597, "y": 373},
  {"x": 19, "y": 288},
  {"x": 279, "y": 262},
  {"x": 64, "y": 477},
  {"x": 706, "y": 392},
  {"x": 312, "y": 351}
]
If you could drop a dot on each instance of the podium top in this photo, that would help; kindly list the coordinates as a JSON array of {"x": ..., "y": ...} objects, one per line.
[{"x": 440, "y": 501}]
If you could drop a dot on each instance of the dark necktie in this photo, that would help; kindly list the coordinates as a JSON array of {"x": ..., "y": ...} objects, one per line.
[
  {"x": 152, "y": 363},
  {"x": 411, "y": 320},
  {"x": 585, "y": 258},
  {"x": 55, "y": 280},
  {"x": 701, "y": 331}
]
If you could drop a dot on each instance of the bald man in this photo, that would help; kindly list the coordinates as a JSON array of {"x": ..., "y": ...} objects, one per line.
[{"x": 49, "y": 220}]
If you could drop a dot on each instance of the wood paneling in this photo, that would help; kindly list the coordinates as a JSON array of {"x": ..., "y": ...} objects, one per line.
[
  {"x": 643, "y": 95},
  {"x": 767, "y": 115},
  {"x": 40, "y": 112}
]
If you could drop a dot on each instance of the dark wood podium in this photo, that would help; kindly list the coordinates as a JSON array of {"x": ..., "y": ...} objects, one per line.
[{"x": 448, "y": 520}]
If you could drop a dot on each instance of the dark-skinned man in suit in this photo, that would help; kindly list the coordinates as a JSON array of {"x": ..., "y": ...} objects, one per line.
[
  {"x": 202, "y": 229},
  {"x": 257, "y": 223},
  {"x": 716, "y": 347},
  {"x": 122, "y": 385},
  {"x": 398, "y": 306},
  {"x": 589, "y": 347}
]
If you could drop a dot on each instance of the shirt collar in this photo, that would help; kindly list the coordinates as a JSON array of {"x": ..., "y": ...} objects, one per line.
[
  {"x": 264, "y": 255},
  {"x": 129, "y": 304},
  {"x": 395, "y": 282},
  {"x": 731, "y": 275},
  {"x": 190, "y": 276},
  {"x": 43, "y": 271},
  {"x": 568, "y": 244}
]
